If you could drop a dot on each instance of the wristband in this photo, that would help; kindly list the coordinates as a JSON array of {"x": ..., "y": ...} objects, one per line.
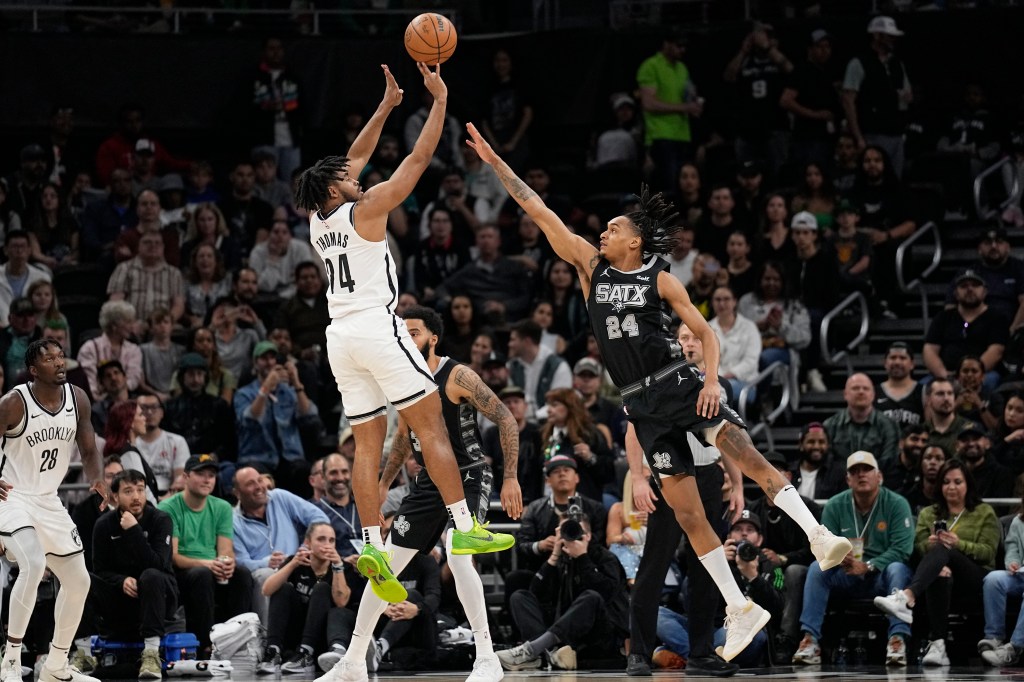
[{"x": 338, "y": 567}]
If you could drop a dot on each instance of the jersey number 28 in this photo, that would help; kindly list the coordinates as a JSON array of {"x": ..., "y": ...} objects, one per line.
[
  {"x": 49, "y": 460},
  {"x": 627, "y": 326},
  {"x": 344, "y": 274}
]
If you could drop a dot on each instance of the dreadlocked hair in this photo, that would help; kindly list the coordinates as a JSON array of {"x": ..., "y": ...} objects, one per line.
[
  {"x": 311, "y": 189},
  {"x": 657, "y": 222}
]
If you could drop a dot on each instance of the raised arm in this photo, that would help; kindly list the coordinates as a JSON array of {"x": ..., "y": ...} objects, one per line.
[
  {"x": 366, "y": 141},
  {"x": 465, "y": 384},
  {"x": 569, "y": 247},
  {"x": 380, "y": 199},
  {"x": 673, "y": 291}
]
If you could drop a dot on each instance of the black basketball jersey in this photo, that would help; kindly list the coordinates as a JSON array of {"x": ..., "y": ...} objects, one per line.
[
  {"x": 459, "y": 420},
  {"x": 906, "y": 411},
  {"x": 631, "y": 321}
]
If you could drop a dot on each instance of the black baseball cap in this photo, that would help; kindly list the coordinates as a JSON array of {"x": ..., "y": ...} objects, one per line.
[
  {"x": 198, "y": 462},
  {"x": 747, "y": 517},
  {"x": 495, "y": 358}
]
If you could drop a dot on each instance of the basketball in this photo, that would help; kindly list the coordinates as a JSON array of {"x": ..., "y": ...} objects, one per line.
[{"x": 430, "y": 38}]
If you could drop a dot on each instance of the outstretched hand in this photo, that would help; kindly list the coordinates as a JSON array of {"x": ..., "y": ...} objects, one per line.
[
  {"x": 432, "y": 80},
  {"x": 392, "y": 93},
  {"x": 480, "y": 145}
]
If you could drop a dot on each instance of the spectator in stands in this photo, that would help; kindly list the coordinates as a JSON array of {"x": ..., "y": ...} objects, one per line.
[
  {"x": 718, "y": 223},
  {"x": 234, "y": 343},
  {"x": 877, "y": 93},
  {"x": 104, "y": 221},
  {"x": 248, "y": 217},
  {"x": 482, "y": 181},
  {"x": 305, "y": 315},
  {"x": 901, "y": 398},
  {"x": 133, "y": 588},
  {"x": 926, "y": 490},
  {"x": 16, "y": 337},
  {"x": 819, "y": 474},
  {"x": 509, "y": 112},
  {"x": 143, "y": 166},
  {"x": 740, "y": 268},
  {"x": 447, "y": 154},
  {"x": 586, "y": 381},
  {"x": 245, "y": 290},
  {"x": 773, "y": 241},
  {"x": 316, "y": 481},
  {"x": 44, "y": 301},
  {"x": 220, "y": 380},
  {"x": 785, "y": 545},
  {"x": 995, "y": 589},
  {"x": 707, "y": 275},
  {"x": 669, "y": 98},
  {"x": 810, "y": 96},
  {"x": 164, "y": 451},
  {"x": 54, "y": 233},
  {"x": 147, "y": 207},
  {"x": 270, "y": 413},
  {"x": 749, "y": 195},
  {"x": 117, "y": 319},
  {"x": 688, "y": 195},
  {"x": 339, "y": 505},
  {"x": 160, "y": 355},
  {"x": 543, "y": 314},
  {"x": 536, "y": 368},
  {"x": 461, "y": 328},
  {"x": 958, "y": 535},
  {"x": 114, "y": 384},
  {"x": 204, "y": 420},
  {"x": 467, "y": 212},
  {"x": 126, "y": 422},
  {"x": 440, "y": 255},
  {"x": 531, "y": 249},
  {"x": 879, "y": 521},
  {"x": 860, "y": 424},
  {"x": 275, "y": 116},
  {"x": 627, "y": 530},
  {"x": 969, "y": 329},
  {"x": 1002, "y": 274},
  {"x": 276, "y": 258},
  {"x": 309, "y": 583},
  {"x": 903, "y": 473},
  {"x": 817, "y": 278},
  {"x": 116, "y": 151},
  {"x": 592, "y": 612},
  {"x": 536, "y": 178},
  {"x": 782, "y": 320},
  {"x": 147, "y": 281},
  {"x": 683, "y": 255},
  {"x": 570, "y": 432},
  {"x": 991, "y": 479},
  {"x": 268, "y": 187},
  {"x": 971, "y": 396},
  {"x": 1008, "y": 435},
  {"x": 206, "y": 225},
  {"x": 944, "y": 424},
  {"x": 26, "y": 184},
  {"x": 739, "y": 339},
  {"x": 10, "y": 221},
  {"x": 499, "y": 287},
  {"x": 213, "y": 587},
  {"x": 759, "y": 72},
  {"x": 17, "y": 274},
  {"x": 972, "y": 133},
  {"x": 531, "y": 458},
  {"x": 207, "y": 282},
  {"x": 570, "y": 318},
  {"x": 619, "y": 148},
  {"x": 494, "y": 371}
]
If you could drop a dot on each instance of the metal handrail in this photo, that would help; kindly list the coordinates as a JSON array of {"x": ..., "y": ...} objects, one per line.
[
  {"x": 986, "y": 213},
  {"x": 901, "y": 279},
  {"x": 777, "y": 368},
  {"x": 865, "y": 322},
  {"x": 175, "y": 14}
]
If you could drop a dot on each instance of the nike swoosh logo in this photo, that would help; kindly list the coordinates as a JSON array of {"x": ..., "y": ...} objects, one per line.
[
  {"x": 489, "y": 538},
  {"x": 34, "y": 417},
  {"x": 70, "y": 410},
  {"x": 115, "y": 537}
]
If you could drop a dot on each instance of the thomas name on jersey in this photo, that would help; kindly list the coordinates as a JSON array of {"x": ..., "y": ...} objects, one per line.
[
  {"x": 49, "y": 433},
  {"x": 624, "y": 294},
  {"x": 331, "y": 239}
]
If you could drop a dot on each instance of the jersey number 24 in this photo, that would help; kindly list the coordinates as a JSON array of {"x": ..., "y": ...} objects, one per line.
[{"x": 616, "y": 329}]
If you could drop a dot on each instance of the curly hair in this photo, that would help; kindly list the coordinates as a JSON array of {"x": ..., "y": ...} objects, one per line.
[
  {"x": 311, "y": 189},
  {"x": 656, "y": 221}
]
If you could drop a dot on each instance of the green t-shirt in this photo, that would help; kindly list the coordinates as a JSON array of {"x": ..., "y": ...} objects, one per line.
[
  {"x": 197, "y": 532},
  {"x": 670, "y": 82}
]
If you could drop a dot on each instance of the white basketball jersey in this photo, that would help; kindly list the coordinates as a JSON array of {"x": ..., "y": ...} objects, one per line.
[
  {"x": 361, "y": 275},
  {"x": 36, "y": 453}
]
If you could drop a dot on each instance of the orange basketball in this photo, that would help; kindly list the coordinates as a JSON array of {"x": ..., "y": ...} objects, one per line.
[{"x": 430, "y": 38}]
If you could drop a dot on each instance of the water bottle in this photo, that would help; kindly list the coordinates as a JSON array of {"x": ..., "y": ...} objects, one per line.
[{"x": 841, "y": 654}]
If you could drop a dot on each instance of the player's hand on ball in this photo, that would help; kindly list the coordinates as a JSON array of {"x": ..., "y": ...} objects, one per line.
[
  {"x": 432, "y": 79},
  {"x": 512, "y": 498},
  {"x": 480, "y": 145},
  {"x": 392, "y": 93},
  {"x": 4, "y": 487}
]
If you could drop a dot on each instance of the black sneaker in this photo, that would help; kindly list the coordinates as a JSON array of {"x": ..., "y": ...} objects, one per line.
[
  {"x": 638, "y": 666},
  {"x": 271, "y": 663},
  {"x": 711, "y": 665}
]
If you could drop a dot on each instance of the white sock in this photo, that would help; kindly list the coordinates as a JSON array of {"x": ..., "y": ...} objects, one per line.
[
  {"x": 460, "y": 515},
  {"x": 13, "y": 653},
  {"x": 371, "y": 536},
  {"x": 56, "y": 659},
  {"x": 471, "y": 593},
  {"x": 788, "y": 500},
  {"x": 151, "y": 643},
  {"x": 384, "y": 645},
  {"x": 716, "y": 565}
]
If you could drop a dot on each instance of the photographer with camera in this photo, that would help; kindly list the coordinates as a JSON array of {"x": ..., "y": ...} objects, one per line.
[{"x": 577, "y": 599}]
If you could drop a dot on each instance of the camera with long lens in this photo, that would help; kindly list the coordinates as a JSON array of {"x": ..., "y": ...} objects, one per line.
[
  {"x": 572, "y": 529},
  {"x": 744, "y": 550}
]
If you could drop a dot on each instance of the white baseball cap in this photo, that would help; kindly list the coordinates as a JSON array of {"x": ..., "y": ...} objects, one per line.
[
  {"x": 883, "y": 24},
  {"x": 861, "y": 457},
  {"x": 804, "y": 220}
]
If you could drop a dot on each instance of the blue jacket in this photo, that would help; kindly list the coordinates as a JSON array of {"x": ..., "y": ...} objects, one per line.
[
  {"x": 287, "y": 518},
  {"x": 275, "y": 436}
]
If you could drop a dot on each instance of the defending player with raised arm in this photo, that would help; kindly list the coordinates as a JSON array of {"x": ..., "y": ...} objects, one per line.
[
  {"x": 373, "y": 359},
  {"x": 630, "y": 295},
  {"x": 39, "y": 421}
]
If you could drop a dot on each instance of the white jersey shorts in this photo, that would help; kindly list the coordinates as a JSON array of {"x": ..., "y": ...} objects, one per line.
[
  {"x": 46, "y": 514},
  {"x": 375, "y": 361}
]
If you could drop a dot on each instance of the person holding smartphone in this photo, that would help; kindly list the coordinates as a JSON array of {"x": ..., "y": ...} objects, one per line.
[{"x": 957, "y": 538}]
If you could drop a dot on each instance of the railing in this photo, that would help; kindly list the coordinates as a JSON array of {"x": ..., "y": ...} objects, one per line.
[
  {"x": 917, "y": 282},
  {"x": 305, "y": 16},
  {"x": 844, "y": 354},
  {"x": 1013, "y": 192},
  {"x": 776, "y": 369}
]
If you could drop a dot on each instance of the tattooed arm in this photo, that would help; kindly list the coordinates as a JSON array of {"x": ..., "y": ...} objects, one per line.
[
  {"x": 465, "y": 385},
  {"x": 569, "y": 247},
  {"x": 401, "y": 448}
]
